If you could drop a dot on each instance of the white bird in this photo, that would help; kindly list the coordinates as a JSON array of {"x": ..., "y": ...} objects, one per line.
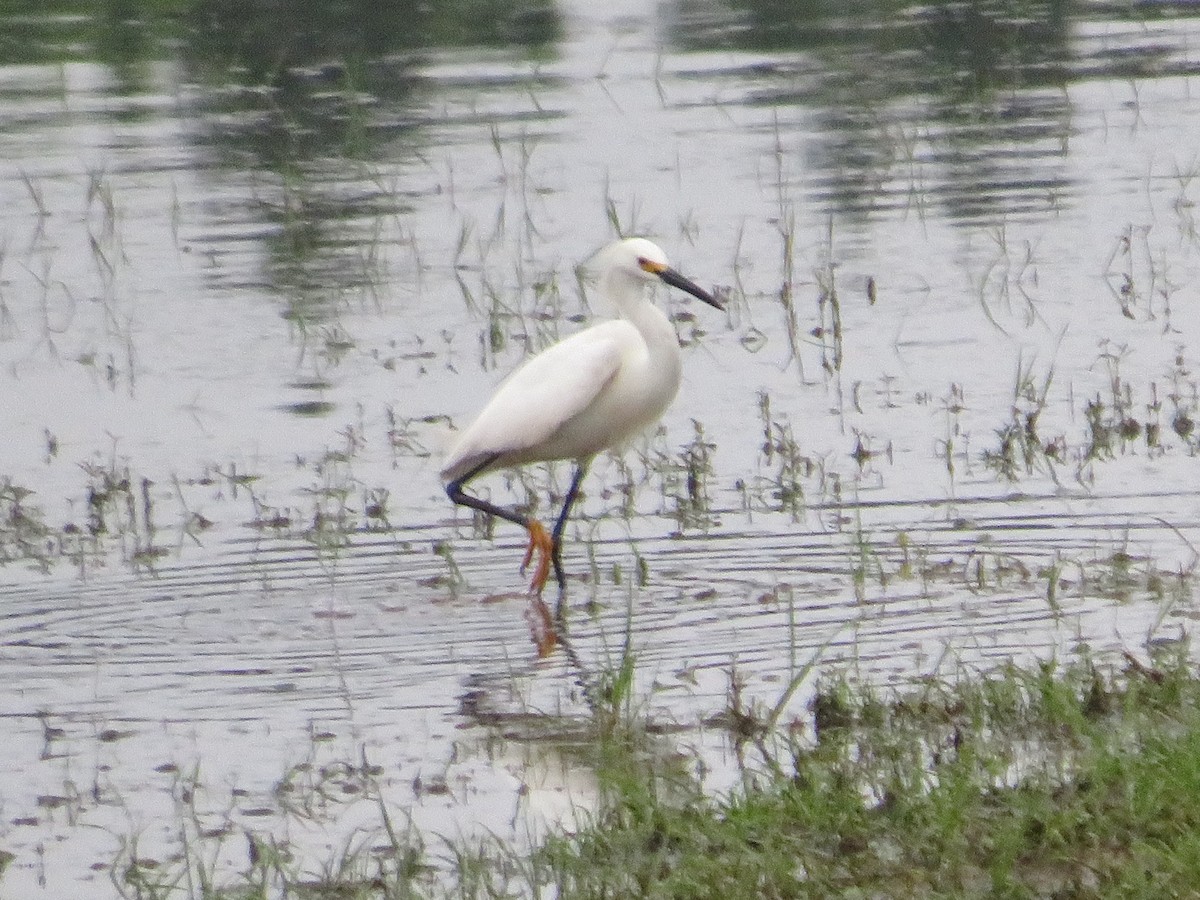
[{"x": 591, "y": 391}]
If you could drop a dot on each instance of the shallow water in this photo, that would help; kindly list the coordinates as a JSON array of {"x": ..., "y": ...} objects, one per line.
[{"x": 250, "y": 274}]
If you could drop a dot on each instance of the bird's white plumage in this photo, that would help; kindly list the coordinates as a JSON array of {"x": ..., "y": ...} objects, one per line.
[
  {"x": 593, "y": 390},
  {"x": 547, "y": 391},
  {"x": 596, "y": 389}
]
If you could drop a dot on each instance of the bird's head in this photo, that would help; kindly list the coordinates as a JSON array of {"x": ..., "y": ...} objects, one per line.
[
  {"x": 641, "y": 257},
  {"x": 643, "y": 260}
]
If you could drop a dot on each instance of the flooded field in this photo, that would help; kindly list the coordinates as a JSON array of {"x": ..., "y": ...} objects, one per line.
[{"x": 253, "y": 272}]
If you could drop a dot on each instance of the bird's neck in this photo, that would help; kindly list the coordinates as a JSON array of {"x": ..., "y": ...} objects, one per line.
[
  {"x": 657, "y": 368},
  {"x": 662, "y": 342},
  {"x": 629, "y": 295},
  {"x": 624, "y": 290}
]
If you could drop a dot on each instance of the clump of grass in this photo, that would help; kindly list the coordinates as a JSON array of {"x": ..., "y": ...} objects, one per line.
[
  {"x": 1021, "y": 448},
  {"x": 1050, "y": 781},
  {"x": 1116, "y": 421},
  {"x": 686, "y": 480},
  {"x": 121, "y": 504},
  {"x": 23, "y": 533},
  {"x": 1185, "y": 401},
  {"x": 783, "y": 467},
  {"x": 829, "y": 310},
  {"x": 118, "y": 506}
]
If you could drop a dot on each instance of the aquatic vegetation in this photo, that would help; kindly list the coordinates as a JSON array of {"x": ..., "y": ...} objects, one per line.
[
  {"x": 1020, "y": 779},
  {"x": 23, "y": 534},
  {"x": 946, "y": 789}
]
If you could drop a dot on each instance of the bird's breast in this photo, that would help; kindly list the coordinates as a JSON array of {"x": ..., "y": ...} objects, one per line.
[{"x": 644, "y": 386}]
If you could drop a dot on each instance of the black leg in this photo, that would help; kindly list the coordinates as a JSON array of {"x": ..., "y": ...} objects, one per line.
[
  {"x": 539, "y": 540},
  {"x": 561, "y": 524},
  {"x": 454, "y": 490}
]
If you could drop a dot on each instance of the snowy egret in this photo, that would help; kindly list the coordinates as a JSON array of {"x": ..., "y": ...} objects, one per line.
[{"x": 591, "y": 391}]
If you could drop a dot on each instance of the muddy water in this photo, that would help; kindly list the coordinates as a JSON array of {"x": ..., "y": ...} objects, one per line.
[{"x": 252, "y": 273}]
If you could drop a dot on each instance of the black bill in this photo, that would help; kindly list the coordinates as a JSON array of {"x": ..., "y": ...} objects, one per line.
[{"x": 674, "y": 279}]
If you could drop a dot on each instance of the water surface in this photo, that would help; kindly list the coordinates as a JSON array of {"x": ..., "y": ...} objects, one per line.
[{"x": 254, "y": 270}]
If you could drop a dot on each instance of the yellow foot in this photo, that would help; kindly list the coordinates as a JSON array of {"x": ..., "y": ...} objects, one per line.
[{"x": 539, "y": 540}]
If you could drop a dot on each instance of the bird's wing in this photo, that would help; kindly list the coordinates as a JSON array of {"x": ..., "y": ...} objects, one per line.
[{"x": 539, "y": 397}]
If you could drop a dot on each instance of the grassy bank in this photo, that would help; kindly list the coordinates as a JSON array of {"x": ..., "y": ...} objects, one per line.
[
  {"x": 1055, "y": 781},
  {"x": 1045, "y": 783}
]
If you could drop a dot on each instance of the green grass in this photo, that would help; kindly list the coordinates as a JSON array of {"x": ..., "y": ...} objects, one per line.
[
  {"x": 1040, "y": 783},
  {"x": 1049, "y": 782}
]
